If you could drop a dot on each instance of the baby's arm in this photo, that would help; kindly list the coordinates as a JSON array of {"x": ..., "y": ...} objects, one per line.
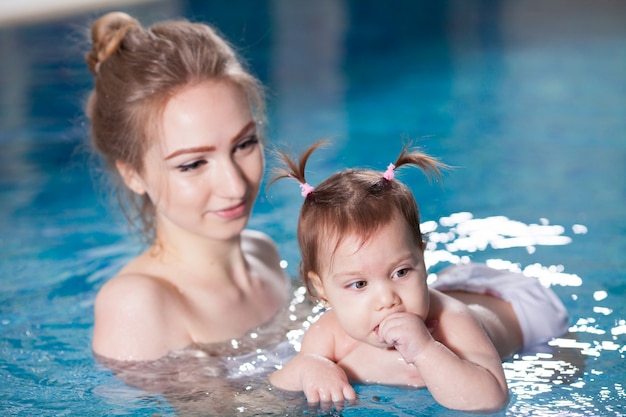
[
  {"x": 313, "y": 370},
  {"x": 460, "y": 366}
]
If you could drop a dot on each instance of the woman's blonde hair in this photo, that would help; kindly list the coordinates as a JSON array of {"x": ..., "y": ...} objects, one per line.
[{"x": 136, "y": 71}]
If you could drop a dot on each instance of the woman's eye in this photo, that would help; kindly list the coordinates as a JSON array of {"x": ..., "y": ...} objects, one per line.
[
  {"x": 247, "y": 143},
  {"x": 358, "y": 285},
  {"x": 192, "y": 165}
]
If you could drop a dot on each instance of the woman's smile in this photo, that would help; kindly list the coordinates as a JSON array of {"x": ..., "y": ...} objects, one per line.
[{"x": 232, "y": 212}]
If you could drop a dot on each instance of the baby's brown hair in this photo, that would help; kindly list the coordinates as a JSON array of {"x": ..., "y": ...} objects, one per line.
[{"x": 352, "y": 201}]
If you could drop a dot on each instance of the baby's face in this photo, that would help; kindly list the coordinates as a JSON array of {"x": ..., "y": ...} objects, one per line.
[{"x": 364, "y": 282}]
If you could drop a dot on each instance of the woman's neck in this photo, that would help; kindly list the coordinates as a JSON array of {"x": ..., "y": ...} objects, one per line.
[{"x": 202, "y": 258}]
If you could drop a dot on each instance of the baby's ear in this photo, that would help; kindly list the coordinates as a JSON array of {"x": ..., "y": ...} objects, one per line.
[
  {"x": 316, "y": 282},
  {"x": 131, "y": 178}
]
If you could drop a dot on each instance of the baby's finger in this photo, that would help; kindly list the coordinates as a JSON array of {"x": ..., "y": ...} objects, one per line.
[
  {"x": 338, "y": 395},
  {"x": 349, "y": 394},
  {"x": 312, "y": 396},
  {"x": 326, "y": 396},
  {"x": 326, "y": 400}
]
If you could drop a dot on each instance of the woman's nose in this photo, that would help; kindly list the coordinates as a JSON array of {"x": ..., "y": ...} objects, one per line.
[{"x": 230, "y": 181}]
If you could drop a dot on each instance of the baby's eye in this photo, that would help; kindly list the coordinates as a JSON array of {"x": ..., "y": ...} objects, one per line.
[
  {"x": 358, "y": 285},
  {"x": 400, "y": 273},
  {"x": 192, "y": 165}
]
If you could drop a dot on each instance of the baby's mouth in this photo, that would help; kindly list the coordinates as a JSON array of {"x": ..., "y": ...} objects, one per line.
[{"x": 376, "y": 330}]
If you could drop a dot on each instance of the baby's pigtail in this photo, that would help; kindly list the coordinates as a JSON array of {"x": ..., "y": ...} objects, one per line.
[
  {"x": 295, "y": 171},
  {"x": 429, "y": 165}
]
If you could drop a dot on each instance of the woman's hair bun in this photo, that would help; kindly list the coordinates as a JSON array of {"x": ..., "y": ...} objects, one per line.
[{"x": 106, "y": 34}]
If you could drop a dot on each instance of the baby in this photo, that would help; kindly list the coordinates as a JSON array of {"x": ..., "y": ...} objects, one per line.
[{"x": 363, "y": 257}]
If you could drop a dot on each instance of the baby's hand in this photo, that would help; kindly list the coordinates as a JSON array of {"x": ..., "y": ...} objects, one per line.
[
  {"x": 405, "y": 332},
  {"x": 324, "y": 382}
]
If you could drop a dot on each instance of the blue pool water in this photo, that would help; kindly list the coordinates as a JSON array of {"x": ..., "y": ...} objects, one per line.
[{"x": 526, "y": 99}]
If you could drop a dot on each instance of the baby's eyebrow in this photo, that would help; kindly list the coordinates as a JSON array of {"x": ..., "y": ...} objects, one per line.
[{"x": 346, "y": 274}]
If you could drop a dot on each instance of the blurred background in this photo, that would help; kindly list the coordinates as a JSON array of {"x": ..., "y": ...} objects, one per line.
[{"x": 525, "y": 98}]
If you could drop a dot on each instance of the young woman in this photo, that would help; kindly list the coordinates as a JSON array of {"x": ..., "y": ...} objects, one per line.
[{"x": 177, "y": 118}]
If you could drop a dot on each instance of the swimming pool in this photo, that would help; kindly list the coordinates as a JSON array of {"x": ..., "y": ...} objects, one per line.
[{"x": 526, "y": 99}]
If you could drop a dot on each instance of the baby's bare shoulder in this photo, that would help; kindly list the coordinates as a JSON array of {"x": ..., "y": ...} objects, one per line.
[
  {"x": 441, "y": 303},
  {"x": 324, "y": 336},
  {"x": 449, "y": 312}
]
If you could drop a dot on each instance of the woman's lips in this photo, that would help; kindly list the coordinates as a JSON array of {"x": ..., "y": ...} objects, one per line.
[{"x": 233, "y": 212}]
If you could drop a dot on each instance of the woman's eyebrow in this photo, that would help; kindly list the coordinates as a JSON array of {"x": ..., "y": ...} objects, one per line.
[
  {"x": 243, "y": 131},
  {"x": 196, "y": 149},
  {"x": 190, "y": 150}
]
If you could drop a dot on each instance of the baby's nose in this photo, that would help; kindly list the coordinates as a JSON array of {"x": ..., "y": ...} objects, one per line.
[{"x": 387, "y": 298}]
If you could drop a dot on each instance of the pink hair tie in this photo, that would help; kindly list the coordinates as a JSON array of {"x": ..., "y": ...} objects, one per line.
[
  {"x": 306, "y": 189},
  {"x": 388, "y": 175}
]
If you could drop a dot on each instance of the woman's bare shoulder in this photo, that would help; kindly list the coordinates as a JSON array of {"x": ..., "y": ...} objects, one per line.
[
  {"x": 134, "y": 313},
  {"x": 263, "y": 249},
  {"x": 259, "y": 243},
  {"x": 134, "y": 286}
]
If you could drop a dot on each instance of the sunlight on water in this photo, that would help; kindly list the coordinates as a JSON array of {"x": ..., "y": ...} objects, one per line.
[
  {"x": 620, "y": 328},
  {"x": 461, "y": 232}
]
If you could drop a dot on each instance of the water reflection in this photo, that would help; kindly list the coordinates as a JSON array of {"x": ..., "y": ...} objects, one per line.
[
  {"x": 228, "y": 378},
  {"x": 453, "y": 235},
  {"x": 465, "y": 233}
]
